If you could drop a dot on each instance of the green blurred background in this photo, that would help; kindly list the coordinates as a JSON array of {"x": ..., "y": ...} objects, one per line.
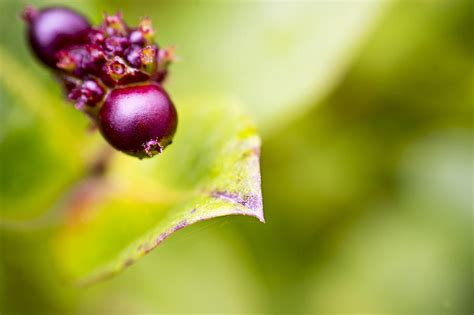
[{"x": 367, "y": 164}]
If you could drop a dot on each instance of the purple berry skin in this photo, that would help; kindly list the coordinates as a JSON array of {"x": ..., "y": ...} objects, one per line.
[
  {"x": 52, "y": 29},
  {"x": 138, "y": 120}
]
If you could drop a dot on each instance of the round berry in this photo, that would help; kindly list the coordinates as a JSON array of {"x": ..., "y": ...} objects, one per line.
[
  {"x": 52, "y": 29},
  {"x": 139, "y": 120}
]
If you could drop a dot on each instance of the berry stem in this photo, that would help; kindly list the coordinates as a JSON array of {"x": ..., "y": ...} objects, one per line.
[{"x": 29, "y": 13}]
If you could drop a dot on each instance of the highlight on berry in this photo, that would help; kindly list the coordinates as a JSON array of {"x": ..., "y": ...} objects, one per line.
[{"x": 112, "y": 72}]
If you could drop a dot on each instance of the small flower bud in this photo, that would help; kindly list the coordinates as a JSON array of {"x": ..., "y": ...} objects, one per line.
[{"x": 114, "y": 25}]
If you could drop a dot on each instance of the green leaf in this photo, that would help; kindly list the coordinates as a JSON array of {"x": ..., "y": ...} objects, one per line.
[
  {"x": 211, "y": 170},
  {"x": 38, "y": 136}
]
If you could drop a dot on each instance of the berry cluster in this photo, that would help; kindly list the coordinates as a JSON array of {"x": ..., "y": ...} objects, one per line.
[{"x": 112, "y": 72}]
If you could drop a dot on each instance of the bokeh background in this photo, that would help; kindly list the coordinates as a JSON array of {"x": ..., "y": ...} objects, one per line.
[{"x": 365, "y": 109}]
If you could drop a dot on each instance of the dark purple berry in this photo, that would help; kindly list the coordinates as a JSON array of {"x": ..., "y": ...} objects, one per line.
[
  {"x": 116, "y": 45},
  {"x": 53, "y": 29},
  {"x": 90, "y": 93},
  {"x": 133, "y": 56},
  {"x": 138, "y": 120}
]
